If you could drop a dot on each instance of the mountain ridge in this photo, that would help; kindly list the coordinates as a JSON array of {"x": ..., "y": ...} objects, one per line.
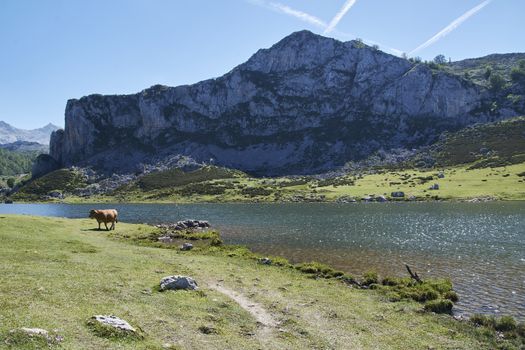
[
  {"x": 304, "y": 105},
  {"x": 10, "y": 134}
]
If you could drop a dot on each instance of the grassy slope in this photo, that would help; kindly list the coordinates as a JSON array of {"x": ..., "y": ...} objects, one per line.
[{"x": 56, "y": 273}]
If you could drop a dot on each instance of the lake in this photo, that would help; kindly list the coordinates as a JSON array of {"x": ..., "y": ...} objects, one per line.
[{"x": 480, "y": 246}]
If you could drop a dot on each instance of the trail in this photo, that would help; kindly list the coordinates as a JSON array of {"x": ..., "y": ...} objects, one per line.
[{"x": 266, "y": 321}]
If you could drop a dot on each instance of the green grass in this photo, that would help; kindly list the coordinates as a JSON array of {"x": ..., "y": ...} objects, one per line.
[{"x": 57, "y": 273}]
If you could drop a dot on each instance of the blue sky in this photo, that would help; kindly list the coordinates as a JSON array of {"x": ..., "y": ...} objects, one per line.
[{"x": 54, "y": 50}]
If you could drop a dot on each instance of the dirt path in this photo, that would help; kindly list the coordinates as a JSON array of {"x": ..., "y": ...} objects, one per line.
[{"x": 267, "y": 322}]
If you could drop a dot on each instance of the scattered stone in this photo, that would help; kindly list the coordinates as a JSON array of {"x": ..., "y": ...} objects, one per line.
[
  {"x": 165, "y": 239},
  {"x": 434, "y": 187},
  {"x": 398, "y": 194},
  {"x": 265, "y": 261},
  {"x": 186, "y": 246},
  {"x": 178, "y": 282},
  {"x": 381, "y": 199},
  {"x": 56, "y": 195},
  {"x": 441, "y": 175},
  {"x": 114, "y": 322},
  {"x": 189, "y": 224},
  {"x": 35, "y": 334}
]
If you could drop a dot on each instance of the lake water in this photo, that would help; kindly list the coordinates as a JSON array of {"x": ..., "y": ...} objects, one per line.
[{"x": 480, "y": 246}]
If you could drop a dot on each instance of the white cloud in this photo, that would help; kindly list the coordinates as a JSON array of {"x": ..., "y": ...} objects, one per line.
[
  {"x": 339, "y": 16},
  {"x": 453, "y": 25}
]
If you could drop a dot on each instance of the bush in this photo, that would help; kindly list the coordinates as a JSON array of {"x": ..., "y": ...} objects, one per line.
[
  {"x": 496, "y": 82},
  {"x": 369, "y": 278},
  {"x": 441, "y": 306},
  {"x": 482, "y": 320},
  {"x": 319, "y": 269},
  {"x": 505, "y": 324},
  {"x": 452, "y": 296}
]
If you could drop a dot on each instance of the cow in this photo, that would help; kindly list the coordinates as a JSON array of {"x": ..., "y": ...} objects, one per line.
[{"x": 105, "y": 216}]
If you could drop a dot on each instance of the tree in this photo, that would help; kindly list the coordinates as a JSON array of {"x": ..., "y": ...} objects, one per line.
[
  {"x": 440, "y": 59},
  {"x": 517, "y": 74},
  {"x": 496, "y": 82},
  {"x": 487, "y": 73},
  {"x": 11, "y": 182}
]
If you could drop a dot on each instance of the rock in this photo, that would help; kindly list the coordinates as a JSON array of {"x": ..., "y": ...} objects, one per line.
[
  {"x": 367, "y": 199},
  {"x": 265, "y": 261},
  {"x": 398, "y": 194},
  {"x": 35, "y": 332},
  {"x": 56, "y": 195},
  {"x": 434, "y": 187},
  {"x": 441, "y": 175},
  {"x": 381, "y": 199},
  {"x": 178, "y": 282},
  {"x": 114, "y": 322},
  {"x": 186, "y": 246},
  {"x": 44, "y": 164}
]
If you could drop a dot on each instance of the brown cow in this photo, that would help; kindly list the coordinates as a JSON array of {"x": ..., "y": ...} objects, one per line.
[{"x": 105, "y": 216}]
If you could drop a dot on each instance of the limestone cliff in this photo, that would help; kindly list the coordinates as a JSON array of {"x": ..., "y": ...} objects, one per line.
[{"x": 307, "y": 104}]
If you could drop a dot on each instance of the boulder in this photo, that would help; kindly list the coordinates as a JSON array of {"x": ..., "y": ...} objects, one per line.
[
  {"x": 434, "y": 187},
  {"x": 265, "y": 261},
  {"x": 186, "y": 246},
  {"x": 381, "y": 199},
  {"x": 113, "y": 322},
  {"x": 178, "y": 282},
  {"x": 398, "y": 194}
]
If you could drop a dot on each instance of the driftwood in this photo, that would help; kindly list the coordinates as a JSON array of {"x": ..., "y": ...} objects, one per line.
[{"x": 413, "y": 275}]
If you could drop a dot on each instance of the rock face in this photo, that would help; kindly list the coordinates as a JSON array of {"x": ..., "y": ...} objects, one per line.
[{"x": 307, "y": 104}]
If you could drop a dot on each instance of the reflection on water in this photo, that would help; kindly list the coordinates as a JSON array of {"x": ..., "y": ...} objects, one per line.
[{"x": 480, "y": 246}]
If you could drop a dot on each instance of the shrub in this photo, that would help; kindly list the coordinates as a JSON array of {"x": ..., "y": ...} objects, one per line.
[
  {"x": 319, "y": 269},
  {"x": 496, "y": 82},
  {"x": 369, "y": 278},
  {"x": 440, "y": 306},
  {"x": 482, "y": 320},
  {"x": 505, "y": 324},
  {"x": 452, "y": 296}
]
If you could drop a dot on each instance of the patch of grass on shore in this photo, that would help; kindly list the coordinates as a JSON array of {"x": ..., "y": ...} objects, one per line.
[{"x": 49, "y": 282}]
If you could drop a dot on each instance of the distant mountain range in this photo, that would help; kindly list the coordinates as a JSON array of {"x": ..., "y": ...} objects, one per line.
[
  {"x": 9, "y": 134},
  {"x": 306, "y": 105}
]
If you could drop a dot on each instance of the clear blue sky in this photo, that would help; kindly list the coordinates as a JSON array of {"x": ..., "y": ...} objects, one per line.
[{"x": 54, "y": 50}]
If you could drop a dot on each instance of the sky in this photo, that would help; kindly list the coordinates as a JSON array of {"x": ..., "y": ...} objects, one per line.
[{"x": 55, "y": 50}]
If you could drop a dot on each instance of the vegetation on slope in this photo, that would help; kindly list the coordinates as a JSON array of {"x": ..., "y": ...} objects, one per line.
[
  {"x": 63, "y": 180},
  {"x": 487, "y": 145},
  {"x": 57, "y": 273},
  {"x": 16, "y": 162}
]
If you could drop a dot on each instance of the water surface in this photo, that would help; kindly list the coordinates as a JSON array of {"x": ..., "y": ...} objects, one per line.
[{"x": 480, "y": 246}]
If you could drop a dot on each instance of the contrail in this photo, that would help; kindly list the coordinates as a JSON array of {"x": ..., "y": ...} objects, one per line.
[
  {"x": 306, "y": 17},
  {"x": 339, "y": 16},
  {"x": 453, "y": 25},
  {"x": 303, "y": 16}
]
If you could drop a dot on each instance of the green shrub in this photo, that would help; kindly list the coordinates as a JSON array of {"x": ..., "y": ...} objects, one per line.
[
  {"x": 482, "y": 320},
  {"x": 423, "y": 293},
  {"x": 369, "y": 278},
  {"x": 451, "y": 295},
  {"x": 440, "y": 306},
  {"x": 319, "y": 269},
  {"x": 505, "y": 324}
]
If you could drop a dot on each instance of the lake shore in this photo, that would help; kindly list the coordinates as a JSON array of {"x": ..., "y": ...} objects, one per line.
[{"x": 65, "y": 266}]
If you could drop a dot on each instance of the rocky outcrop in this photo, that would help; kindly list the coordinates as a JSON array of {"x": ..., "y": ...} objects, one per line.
[{"x": 306, "y": 104}]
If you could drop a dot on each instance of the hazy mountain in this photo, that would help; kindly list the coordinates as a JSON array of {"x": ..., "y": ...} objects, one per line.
[{"x": 10, "y": 134}]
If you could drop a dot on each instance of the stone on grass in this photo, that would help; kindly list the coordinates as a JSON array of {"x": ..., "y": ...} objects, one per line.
[
  {"x": 186, "y": 246},
  {"x": 265, "y": 261},
  {"x": 178, "y": 282},
  {"x": 114, "y": 322}
]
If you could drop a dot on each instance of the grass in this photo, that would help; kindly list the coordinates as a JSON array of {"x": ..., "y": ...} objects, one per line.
[{"x": 57, "y": 273}]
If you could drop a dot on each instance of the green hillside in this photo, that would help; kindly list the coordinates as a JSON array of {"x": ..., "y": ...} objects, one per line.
[{"x": 16, "y": 162}]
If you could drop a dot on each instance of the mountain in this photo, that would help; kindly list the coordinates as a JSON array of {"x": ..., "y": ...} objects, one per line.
[
  {"x": 10, "y": 134},
  {"x": 307, "y": 104}
]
